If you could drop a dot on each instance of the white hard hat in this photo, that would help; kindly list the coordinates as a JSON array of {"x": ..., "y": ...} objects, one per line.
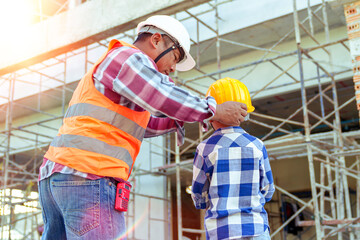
[{"x": 175, "y": 30}]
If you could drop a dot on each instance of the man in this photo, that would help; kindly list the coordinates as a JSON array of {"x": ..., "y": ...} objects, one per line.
[{"x": 126, "y": 96}]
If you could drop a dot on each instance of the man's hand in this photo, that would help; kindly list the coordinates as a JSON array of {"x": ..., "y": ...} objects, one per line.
[{"x": 230, "y": 113}]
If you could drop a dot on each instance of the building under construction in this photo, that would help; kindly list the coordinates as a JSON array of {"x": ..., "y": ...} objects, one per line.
[{"x": 299, "y": 59}]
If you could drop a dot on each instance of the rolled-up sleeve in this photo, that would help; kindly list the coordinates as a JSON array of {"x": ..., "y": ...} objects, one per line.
[
  {"x": 266, "y": 179},
  {"x": 200, "y": 183},
  {"x": 132, "y": 74}
]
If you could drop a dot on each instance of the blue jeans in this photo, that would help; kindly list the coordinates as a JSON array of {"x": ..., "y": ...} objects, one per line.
[{"x": 77, "y": 208}]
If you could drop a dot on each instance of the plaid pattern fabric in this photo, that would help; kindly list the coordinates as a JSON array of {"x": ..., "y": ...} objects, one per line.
[
  {"x": 232, "y": 179},
  {"x": 130, "y": 78}
]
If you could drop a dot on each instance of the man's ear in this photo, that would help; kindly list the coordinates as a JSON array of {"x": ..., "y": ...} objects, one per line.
[{"x": 155, "y": 39}]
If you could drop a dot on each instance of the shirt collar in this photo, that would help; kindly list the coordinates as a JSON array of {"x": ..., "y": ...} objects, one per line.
[{"x": 231, "y": 129}]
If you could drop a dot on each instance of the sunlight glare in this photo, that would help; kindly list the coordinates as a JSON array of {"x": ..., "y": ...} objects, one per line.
[{"x": 15, "y": 15}]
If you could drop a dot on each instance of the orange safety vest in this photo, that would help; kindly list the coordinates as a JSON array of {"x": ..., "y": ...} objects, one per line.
[{"x": 98, "y": 136}]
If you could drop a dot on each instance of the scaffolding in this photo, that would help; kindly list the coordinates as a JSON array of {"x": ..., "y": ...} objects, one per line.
[{"x": 335, "y": 214}]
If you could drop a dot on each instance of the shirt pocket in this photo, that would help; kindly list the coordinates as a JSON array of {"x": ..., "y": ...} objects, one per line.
[{"x": 82, "y": 210}]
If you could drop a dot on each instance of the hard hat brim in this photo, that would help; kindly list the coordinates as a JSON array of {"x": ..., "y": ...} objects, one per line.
[{"x": 186, "y": 64}]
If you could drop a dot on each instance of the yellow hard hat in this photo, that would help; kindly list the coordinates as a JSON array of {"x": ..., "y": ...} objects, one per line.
[{"x": 229, "y": 89}]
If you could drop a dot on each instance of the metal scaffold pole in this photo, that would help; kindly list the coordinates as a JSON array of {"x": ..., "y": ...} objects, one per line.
[
  {"x": 307, "y": 127},
  {"x": 6, "y": 200},
  {"x": 218, "y": 51},
  {"x": 178, "y": 189},
  {"x": 337, "y": 125}
]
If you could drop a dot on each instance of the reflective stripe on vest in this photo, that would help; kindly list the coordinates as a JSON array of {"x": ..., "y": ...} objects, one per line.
[
  {"x": 92, "y": 145},
  {"x": 108, "y": 116}
]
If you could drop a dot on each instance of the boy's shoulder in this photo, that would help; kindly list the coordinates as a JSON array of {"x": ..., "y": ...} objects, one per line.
[
  {"x": 210, "y": 144},
  {"x": 227, "y": 139},
  {"x": 254, "y": 139}
]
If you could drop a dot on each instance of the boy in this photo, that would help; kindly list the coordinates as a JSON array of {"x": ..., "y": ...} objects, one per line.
[{"x": 232, "y": 177}]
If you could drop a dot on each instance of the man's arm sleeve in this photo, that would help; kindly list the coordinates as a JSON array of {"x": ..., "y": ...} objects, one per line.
[{"x": 141, "y": 83}]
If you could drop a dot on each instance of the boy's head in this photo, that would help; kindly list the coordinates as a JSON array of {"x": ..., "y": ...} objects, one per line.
[{"x": 229, "y": 89}]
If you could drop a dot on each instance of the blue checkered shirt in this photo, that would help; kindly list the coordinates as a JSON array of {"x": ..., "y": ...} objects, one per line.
[{"x": 232, "y": 179}]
